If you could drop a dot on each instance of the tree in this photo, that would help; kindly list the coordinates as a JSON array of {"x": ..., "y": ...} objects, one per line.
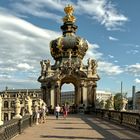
[{"x": 118, "y": 100}]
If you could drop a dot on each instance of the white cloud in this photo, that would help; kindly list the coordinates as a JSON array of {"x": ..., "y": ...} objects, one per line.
[
  {"x": 134, "y": 69},
  {"x": 132, "y": 52},
  {"x": 103, "y": 66},
  {"x": 104, "y": 12},
  {"x": 101, "y": 10},
  {"x": 110, "y": 56},
  {"x": 137, "y": 46},
  {"x": 116, "y": 61},
  {"x": 35, "y": 9},
  {"x": 112, "y": 38},
  {"x": 92, "y": 52},
  {"x": 22, "y": 47},
  {"x": 5, "y": 76},
  {"x": 137, "y": 81},
  {"x": 24, "y": 66},
  {"x": 109, "y": 68}
]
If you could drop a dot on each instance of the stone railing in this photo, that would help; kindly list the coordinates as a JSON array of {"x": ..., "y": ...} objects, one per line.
[
  {"x": 14, "y": 127},
  {"x": 129, "y": 119}
]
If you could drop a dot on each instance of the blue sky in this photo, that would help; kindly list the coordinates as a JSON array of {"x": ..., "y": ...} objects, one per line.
[{"x": 112, "y": 29}]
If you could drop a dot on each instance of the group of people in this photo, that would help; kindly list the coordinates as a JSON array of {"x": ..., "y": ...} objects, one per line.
[
  {"x": 64, "y": 109},
  {"x": 40, "y": 113}
]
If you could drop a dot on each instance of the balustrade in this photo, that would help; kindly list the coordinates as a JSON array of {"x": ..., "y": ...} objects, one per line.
[
  {"x": 14, "y": 127},
  {"x": 129, "y": 119}
]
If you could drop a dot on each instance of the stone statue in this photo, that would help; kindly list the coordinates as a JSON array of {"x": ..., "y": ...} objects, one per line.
[
  {"x": 29, "y": 104},
  {"x": 36, "y": 112},
  {"x": 45, "y": 65},
  {"x": 111, "y": 103},
  {"x": 124, "y": 101},
  {"x": 102, "y": 104},
  {"x": 1, "y": 122},
  {"x": 43, "y": 68},
  {"x": 40, "y": 102},
  {"x": 89, "y": 64},
  {"x": 92, "y": 65},
  {"x": 17, "y": 109},
  {"x": 47, "y": 62}
]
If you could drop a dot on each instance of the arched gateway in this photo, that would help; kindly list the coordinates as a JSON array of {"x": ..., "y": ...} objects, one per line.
[{"x": 68, "y": 52}]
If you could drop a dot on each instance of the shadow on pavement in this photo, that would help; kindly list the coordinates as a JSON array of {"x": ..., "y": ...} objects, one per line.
[
  {"x": 105, "y": 133},
  {"x": 68, "y": 137}
]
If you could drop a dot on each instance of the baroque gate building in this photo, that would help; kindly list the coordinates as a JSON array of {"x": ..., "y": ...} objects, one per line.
[{"x": 68, "y": 52}]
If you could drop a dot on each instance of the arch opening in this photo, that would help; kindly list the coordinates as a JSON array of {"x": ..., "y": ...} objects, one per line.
[{"x": 68, "y": 93}]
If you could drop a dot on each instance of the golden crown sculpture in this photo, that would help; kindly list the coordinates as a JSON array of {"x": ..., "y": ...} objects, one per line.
[{"x": 69, "y": 14}]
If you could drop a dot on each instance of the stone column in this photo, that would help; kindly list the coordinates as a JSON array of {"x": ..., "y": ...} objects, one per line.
[
  {"x": 9, "y": 115},
  {"x": 81, "y": 92},
  {"x": 84, "y": 90},
  {"x": 1, "y": 122},
  {"x": 52, "y": 98},
  {"x": 43, "y": 88},
  {"x": 77, "y": 95},
  {"x": 93, "y": 95},
  {"x": 17, "y": 109},
  {"x": 80, "y": 95},
  {"x": 57, "y": 93},
  {"x": 89, "y": 94}
]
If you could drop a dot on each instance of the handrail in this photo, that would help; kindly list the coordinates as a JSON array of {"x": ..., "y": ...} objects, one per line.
[
  {"x": 129, "y": 119},
  {"x": 14, "y": 127}
]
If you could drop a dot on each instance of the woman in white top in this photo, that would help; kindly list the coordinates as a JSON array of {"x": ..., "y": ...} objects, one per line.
[{"x": 57, "y": 111}]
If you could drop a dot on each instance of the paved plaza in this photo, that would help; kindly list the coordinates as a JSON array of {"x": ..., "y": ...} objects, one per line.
[{"x": 78, "y": 127}]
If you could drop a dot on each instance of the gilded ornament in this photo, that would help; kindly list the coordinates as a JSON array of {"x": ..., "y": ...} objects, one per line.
[{"x": 69, "y": 11}]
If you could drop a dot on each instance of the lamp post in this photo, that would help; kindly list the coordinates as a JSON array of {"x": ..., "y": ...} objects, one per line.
[{"x": 121, "y": 88}]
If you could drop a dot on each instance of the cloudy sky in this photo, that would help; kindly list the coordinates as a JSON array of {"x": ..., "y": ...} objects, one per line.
[{"x": 112, "y": 29}]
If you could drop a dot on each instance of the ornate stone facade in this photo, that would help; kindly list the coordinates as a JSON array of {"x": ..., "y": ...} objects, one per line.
[
  {"x": 137, "y": 100},
  {"x": 9, "y": 97},
  {"x": 68, "y": 52}
]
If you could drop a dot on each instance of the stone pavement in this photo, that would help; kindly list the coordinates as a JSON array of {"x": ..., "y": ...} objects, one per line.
[{"x": 77, "y": 127}]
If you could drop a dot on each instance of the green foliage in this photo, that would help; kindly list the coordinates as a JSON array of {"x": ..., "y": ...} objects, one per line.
[{"x": 118, "y": 100}]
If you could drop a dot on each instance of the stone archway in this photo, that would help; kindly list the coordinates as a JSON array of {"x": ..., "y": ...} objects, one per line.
[
  {"x": 67, "y": 94},
  {"x": 68, "y": 52}
]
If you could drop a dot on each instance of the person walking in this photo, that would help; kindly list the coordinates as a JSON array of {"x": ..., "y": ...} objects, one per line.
[
  {"x": 57, "y": 111},
  {"x": 43, "y": 113},
  {"x": 65, "y": 111}
]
